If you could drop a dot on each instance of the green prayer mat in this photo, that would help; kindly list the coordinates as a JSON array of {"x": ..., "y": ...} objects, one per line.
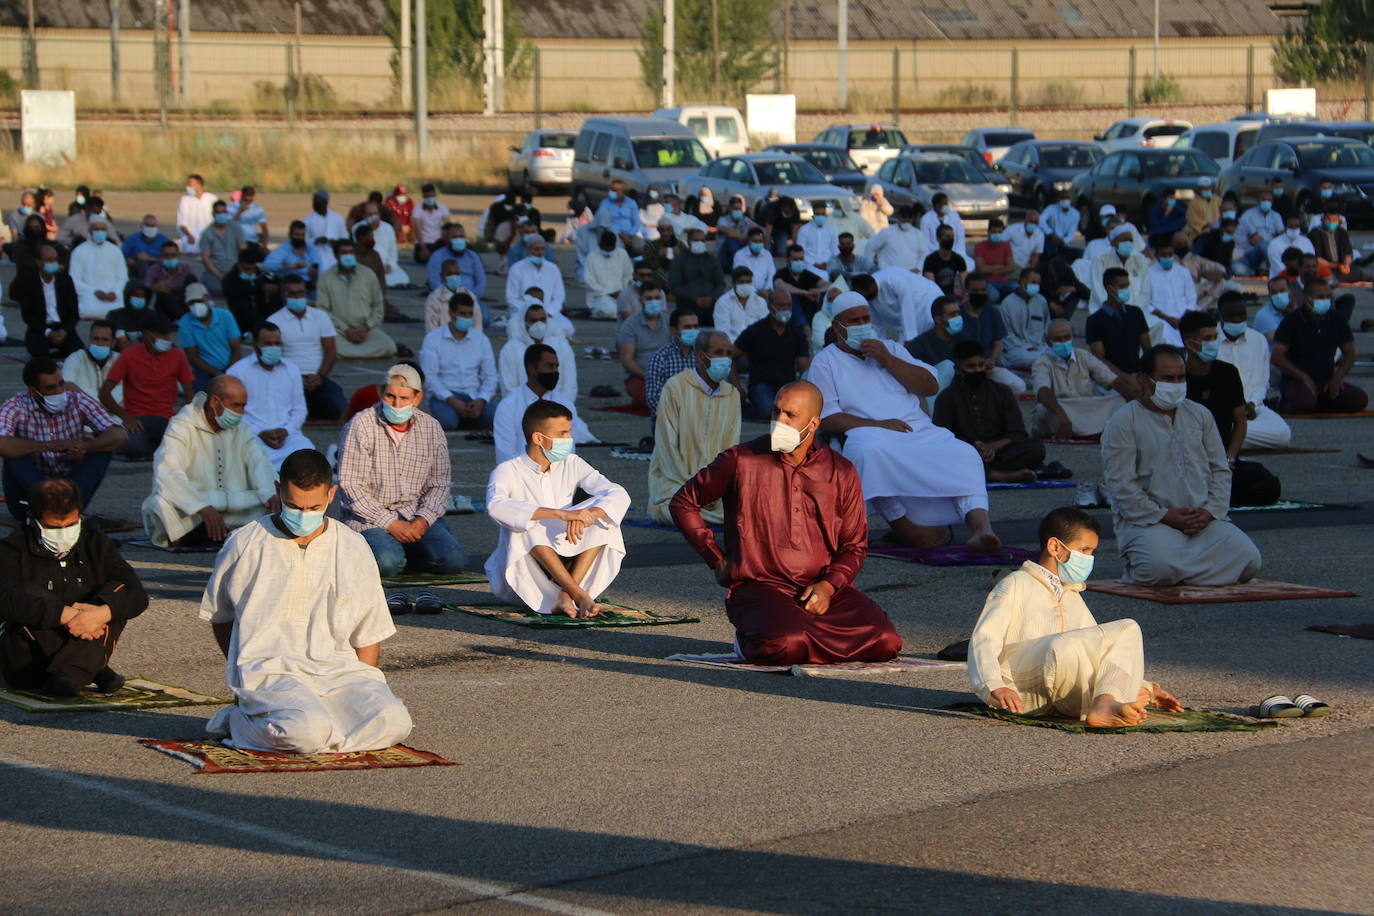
[
  {"x": 1156, "y": 720},
  {"x": 622, "y": 616},
  {"x": 422, "y": 579},
  {"x": 1284, "y": 505},
  {"x": 137, "y": 693}
]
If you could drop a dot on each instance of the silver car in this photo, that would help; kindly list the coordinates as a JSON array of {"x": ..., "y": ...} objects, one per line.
[
  {"x": 753, "y": 175},
  {"x": 542, "y": 162},
  {"x": 917, "y": 179}
]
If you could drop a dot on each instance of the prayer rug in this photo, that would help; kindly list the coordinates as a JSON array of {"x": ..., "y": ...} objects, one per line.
[
  {"x": 952, "y": 555},
  {"x": 1036, "y": 485},
  {"x": 1355, "y": 630},
  {"x": 1092, "y": 441},
  {"x": 895, "y": 666},
  {"x": 1287, "y": 505},
  {"x": 622, "y": 616},
  {"x": 423, "y": 579},
  {"x": 625, "y": 408},
  {"x": 1254, "y": 590},
  {"x": 211, "y": 756},
  {"x": 1287, "y": 450},
  {"x": 146, "y": 544},
  {"x": 631, "y": 454},
  {"x": 137, "y": 693},
  {"x": 1327, "y": 416},
  {"x": 1156, "y": 720},
  {"x": 317, "y": 421},
  {"x": 650, "y": 523}
]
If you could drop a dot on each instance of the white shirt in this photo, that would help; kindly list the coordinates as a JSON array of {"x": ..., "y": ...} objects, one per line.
[
  {"x": 453, "y": 366},
  {"x": 1277, "y": 246},
  {"x": 88, "y": 375},
  {"x": 332, "y": 227},
  {"x": 97, "y": 268},
  {"x": 253, "y": 222},
  {"x": 546, "y": 276},
  {"x": 902, "y": 309},
  {"x": 196, "y": 214},
  {"x": 731, "y": 318},
  {"x": 1056, "y": 220},
  {"x": 819, "y": 243},
  {"x": 761, "y": 264},
  {"x": 300, "y": 336},
  {"x": 1024, "y": 243},
  {"x": 510, "y": 413},
  {"x": 276, "y": 396},
  {"x": 49, "y": 286},
  {"x": 931, "y": 222},
  {"x": 1172, "y": 292},
  {"x": 608, "y": 274},
  {"x": 1249, "y": 353},
  {"x": 899, "y": 245}
]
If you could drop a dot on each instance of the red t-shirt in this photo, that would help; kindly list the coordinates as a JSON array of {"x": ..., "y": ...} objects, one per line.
[
  {"x": 997, "y": 255},
  {"x": 365, "y": 397},
  {"x": 150, "y": 380}
]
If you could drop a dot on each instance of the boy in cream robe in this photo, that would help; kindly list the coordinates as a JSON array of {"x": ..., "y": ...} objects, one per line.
[
  {"x": 1036, "y": 649},
  {"x": 698, "y": 418},
  {"x": 210, "y": 474},
  {"x": 553, "y": 556}
]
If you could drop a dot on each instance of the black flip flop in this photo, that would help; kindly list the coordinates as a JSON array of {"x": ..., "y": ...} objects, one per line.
[
  {"x": 398, "y": 604},
  {"x": 1055, "y": 471},
  {"x": 428, "y": 603}
]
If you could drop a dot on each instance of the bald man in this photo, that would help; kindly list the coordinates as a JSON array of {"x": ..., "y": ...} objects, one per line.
[
  {"x": 796, "y": 534},
  {"x": 211, "y": 474},
  {"x": 1075, "y": 392}
]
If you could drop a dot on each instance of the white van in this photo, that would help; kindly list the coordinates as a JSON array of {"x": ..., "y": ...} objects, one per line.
[{"x": 720, "y": 128}]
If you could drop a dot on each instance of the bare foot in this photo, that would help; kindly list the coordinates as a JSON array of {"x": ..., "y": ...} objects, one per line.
[
  {"x": 920, "y": 536},
  {"x": 586, "y": 607},
  {"x": 984, "y": 541},
  {"x": 1108, "y": 713},
  {"x": 565, "y": 605},
  {"x": 1023, "y": 476},
  {"x": 1146, "y": 697}
]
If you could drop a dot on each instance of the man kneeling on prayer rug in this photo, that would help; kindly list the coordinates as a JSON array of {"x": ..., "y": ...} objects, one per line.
[
  {"x": 556, "y": 555},
  {"x": 295, "y": 602},
  {"x": 1036, "y": 649},
  {"x": 796, "y": 535}
]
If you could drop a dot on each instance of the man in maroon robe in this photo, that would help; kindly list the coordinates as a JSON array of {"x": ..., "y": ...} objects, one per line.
[{"x": 796, "y": 534}]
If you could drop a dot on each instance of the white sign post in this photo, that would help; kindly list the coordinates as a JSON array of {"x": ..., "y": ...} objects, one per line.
[
  {"x": 771, "y": 118},
  {"x": 48, "y": 125}
]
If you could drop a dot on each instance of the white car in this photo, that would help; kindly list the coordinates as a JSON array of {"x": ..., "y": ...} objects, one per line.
[
  {"x": 1225, "y": 142},
  {"x": 720, "y": 128},
  {"x": 1141, "y": 133},
  {"x": 542, "y": 163}
]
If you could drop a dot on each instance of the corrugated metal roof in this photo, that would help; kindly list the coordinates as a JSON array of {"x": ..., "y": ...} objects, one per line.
[{"x": 318, "y": 17}]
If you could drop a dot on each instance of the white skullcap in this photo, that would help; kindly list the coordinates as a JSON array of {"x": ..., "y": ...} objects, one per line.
[
  {"x": 1123, "y": 229},
  {"x": 1107, "y": 210},
  {"x": 846, "y": 301}
]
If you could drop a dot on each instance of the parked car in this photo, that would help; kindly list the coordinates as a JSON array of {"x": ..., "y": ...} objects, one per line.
[
  {"x": 992, "y": 143},
  {"x": 753, "y": 174},
  {"x": 542, "y": 163},
  {"x": 1266, "y": 117},
  {"x": 870, "y": 145},
  {"x": 1037, "y": 170},
  {"x": 720, "y": 128},
  {"x": 1355, "y": 130},
  {"x": 1225, "y": 142},
  {"x": 648, "y": 153},
  {"x": 916, "y": 179},
  {"x": 832, "y": 162},
  {"x": 1131, "y": 179},
  {"x": 1279, "y": 130},
  {"x": 1303, "y": 163},
  {"x": 968, "y": 154},
  {"x": 1142, "y": 133}
]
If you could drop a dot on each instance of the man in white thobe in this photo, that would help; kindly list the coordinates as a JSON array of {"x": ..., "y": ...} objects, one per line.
[
  {"x": 195, "y": 213},
  {"x": 1291, "y": 237},
  {"x": 99, "y": 272},
  {"x": 542, "y": 365},
  {"x": 899, "y": 302},
  {"x": 820, "y": 242},
  {"x": 1166, "y": 471},
  {"x": 324, "y": 227},
  {"x": 740, "y": 305},
  {"x": 607, "y": 273},
  {"x": 87, "y": 368},
  {"x": 1248, "y": 350},
  {"x": 942, "y": 214},
  {"x": 1125, "y": 255},
  {"x": 917, "y": 475},
  {"x": 523, "y": 330},
  {"x": 554, "y": 556},
  {"x": 901, "y": 245},
  {"x": 296, "y": 605},
  {"x": 536, "y": 271},
  {"x": 384, "y": 239},
  {"x": 276, "y": 395},
  {"x": 1172, "y": 292}
]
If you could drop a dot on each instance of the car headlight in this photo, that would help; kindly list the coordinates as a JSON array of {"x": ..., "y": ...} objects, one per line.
[
  {"x": 1063, "y": 185},
  {"x": 1003, "y": 187},
  {"x": 1003, "y": 203}
]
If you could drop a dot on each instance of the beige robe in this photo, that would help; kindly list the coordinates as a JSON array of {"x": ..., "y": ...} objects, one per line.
[
  {"x": 691, "y": 429},
  {"x": 196, "y": 466},
  {"x": 353, "y": 303},
  {"x": 1080, "y": 385}
]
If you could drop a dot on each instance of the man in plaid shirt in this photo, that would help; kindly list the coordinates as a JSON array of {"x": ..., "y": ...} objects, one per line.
[
  {"x": 672, "y": 359},
  {"x": 42, "y": 436},
  {"x": 395, "y": 481}
]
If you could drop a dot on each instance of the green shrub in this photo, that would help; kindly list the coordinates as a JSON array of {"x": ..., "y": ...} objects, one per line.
[
  {"x": 1060, "y": 93},
  {"x": 1161, "y": 89},
  {"x": 968, "y": 95}
]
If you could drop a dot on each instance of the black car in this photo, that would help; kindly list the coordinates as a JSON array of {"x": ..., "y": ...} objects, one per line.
[
  {"x": 1355, "y": 130},
  {"x": 1038, "y": 170},
  {"x": 1304, "y": 163},
  {"x": 833, "y": 162},
  {"x": 966, "y": 153},
  {"x": 1131, "y": 179}
]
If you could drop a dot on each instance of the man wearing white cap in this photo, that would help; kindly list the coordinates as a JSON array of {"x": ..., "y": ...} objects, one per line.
[
  {"x": 918, "y": 476},
  {"x": 1204, "y": 210},
  {"x": 1126, "y": 255},
  {"x": 1109, "y": 217}
]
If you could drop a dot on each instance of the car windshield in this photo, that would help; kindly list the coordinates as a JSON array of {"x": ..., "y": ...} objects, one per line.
[
  {"x": 670, "y": 153},
  {"x": 557, "y": 141},
  {"x": 787, "y": 171},
  {"x": 946, "y": 171},
  {"x": 1069, "y": 157},
  {"x": 1363, "y": 134},
  {"x": 1006, "y": 137},
  {"x": 1335, "y": 156},
  {"x": 828, "y": 160},
  {"x": 876, "y": 137},
  {"x": 1185, "y": 163}
]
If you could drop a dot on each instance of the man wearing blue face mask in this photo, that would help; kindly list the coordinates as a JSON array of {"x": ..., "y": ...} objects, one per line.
[
  {"x": 1025, "y": 313},
  {"x": 776, "y": 351},
  {"x": 639, "y": 337},
  {"x": 672, "y": 358},
  {"x": 1305, "y": 348},
  {"x": 806, "y": 285},
  {"x": 1172, "y": 291},
  {"x": 460, "y": 368},
  {"x": 142, "y": 249},
  {"x": 1117, "y": 333},
  {"x": 352, "y": 297},
  {"x": 1247, "y": 349},
  {"x": 457, "y": 248},
  {"x": 98, "y": 270},
  {"x": 694, "y": 277},
  {"x": 276, "y": 395},
  {"x": 741, "y": 305},
  {"x": 296, "y": 606},
  {"x": 249, "y": 292},
  {"x": 87, "y": 368},
  {"x": 818, "y": 239},
  {"x": 756, "y": 256},
  {"x": 153, "y": 372},
  {"x": 307, "y": 339},
  {"x": 698, "y": 418},
  {"x": 209, "y": 336},
  {"x": 220, "y": 247},
  {"x": 168, "y": 279},
  {"x": 50, "y": 306},
  {"x": 1123, "y": 254},
  {"x": 1075, "y": 392},
  {"x": 1276, "y": 306},
  {"x": 619, "y": 214}
]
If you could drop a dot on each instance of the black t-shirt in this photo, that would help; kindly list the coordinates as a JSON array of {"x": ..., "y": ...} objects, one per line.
[
  {"x": 773, "y": 356},
  {"x": 1312, "y": 341},
  {"x": 1120, "y": 336},
  {"x": 1214, "y": 249},
  {"x": 1221, "y": 392},
  {"x": 945, "y": 271}
]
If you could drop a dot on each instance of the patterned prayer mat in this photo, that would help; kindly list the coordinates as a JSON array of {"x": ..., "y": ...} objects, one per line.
[
  {"x": 211, "y": 756},
  {"x": 1354, "y": 630},
  {"x": 1287, "y": 450},
  {"x": 1288, "y": 505},
  {"x": 1037, "y": 485},
  {"x": 421, "y": 579},
  {"x": 137, "y": 693},
  {"x": 145, "y": 544},
  {"x": 1254, "y": 590},
  {"x": 650, "y": 523},
  {"x": 1328, "y": 416},
  {"x": 1156, "y": 720},
  {"x": 895, "y": 666},
  {"x": 621, "y": 616},
  {"x": 1092, "y": 441},
  {"x": 631, "y": 454},
  {"x": 625, "y": 408},
  {"x": 952, "y": 555}
]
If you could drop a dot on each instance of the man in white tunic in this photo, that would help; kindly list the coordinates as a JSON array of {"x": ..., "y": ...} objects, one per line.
[
  {"x": 899, "y": 302},
  {"x": 276, "y": 395},
  {"x": 99, "y": 272},
  {"x": 1170, "y": 484},
  {"x": 942, "y": 214},
  {"x": 607, "y": 273},
  {"x": 1172, "y": 292},
  {"x": 296, "y": 605},
  {"x": 739, "y": 306},
  {"x": 918, "y": 476},
  {"x": 195, "y": 213},
  {"x": 1036, "y": 649},
  {"x": 385, "y": 238},
  {"x": 324, "y": 227},
  {"x": 535, "y": 270},
  {"x": 541, "y": 372},
  {"x": 901, "y": 244},
  {"x": 1248, "y": 350},
  {"x": 1125, "y": 255},
  {"x": 554, "y": 556},
  {"x": 87, "y": 368},
  {"x": 820, "y": 242},
  {"x": 210, "y": 473}
]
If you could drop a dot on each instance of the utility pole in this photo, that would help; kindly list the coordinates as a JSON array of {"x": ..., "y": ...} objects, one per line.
[
  {"x": 31, "y": 53},
  {"x": 488, "y": 68},
  {"x": 184, "y": 49},
  {"x": 114, "y": 52},
  {"x": 669, "y": 53},
  {"x": 786, "y": 41},
  {"x": 161, "y": 57},
  {"x": 405, "y": 52},
  {"x": 300, "y": 62},
  {"x": 421, "y": 82},
  {"x": 1156, "y": 41},
  {"x": 715, "y": 48},
  {"x": 498, "y": 63},
  {"x": 842, "y": 17}
]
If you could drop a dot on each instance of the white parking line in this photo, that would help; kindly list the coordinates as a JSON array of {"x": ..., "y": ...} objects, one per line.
[{"x": 301, "y": 844}]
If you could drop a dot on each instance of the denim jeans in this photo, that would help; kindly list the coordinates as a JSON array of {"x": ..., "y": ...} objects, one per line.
[
  {"x": 22, "y": 473},
  {"x": 142, "y": 445},
  {"x": 761, "y": 398},
  {"x": 448, "y": 417},
  {"x": 326, "y": 402},
  {"x": 437, "y": 551}
]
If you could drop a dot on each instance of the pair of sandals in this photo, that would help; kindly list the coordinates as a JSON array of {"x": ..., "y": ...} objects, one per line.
[
  {"x": 1304, "y": 706},
  {"x": 424, "y": 603}
]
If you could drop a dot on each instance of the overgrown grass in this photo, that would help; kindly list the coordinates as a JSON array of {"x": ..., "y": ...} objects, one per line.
[
  {"x": 1161, "y": 89},
  {"x": 272, "y": 160},
  {"x": 969, "y": 95}
]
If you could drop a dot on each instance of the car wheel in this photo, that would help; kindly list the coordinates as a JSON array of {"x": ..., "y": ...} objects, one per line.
[{"x": 525, "y": 187}]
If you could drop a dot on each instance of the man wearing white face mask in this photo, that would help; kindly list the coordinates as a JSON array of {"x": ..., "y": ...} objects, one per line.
[
  {"x": 607, "y": 273},
  {"x": 901, "y": 245},
  {"x": 695, "y": 277},
  {"x": 1292, "y": 236},
  {"x": 142, "y": 249},
  {"x": 98, "y": 270},
  {"x": 209, "y": 336},
  {"x": 1165, "y": 469},
  {"x": 276, "y": 395},
  {"x": 740, "y": 305},
  {"x": 797, "y": 536},
  {"x": 211, "y": 474},
  {"x": 536, "y": 270},
  {"x": 554, "y": 556}
]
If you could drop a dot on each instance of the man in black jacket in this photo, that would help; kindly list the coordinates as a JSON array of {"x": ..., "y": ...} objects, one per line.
[
  {"x": 69, "y": 593},
  {"x": 47, "y": 300}
]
